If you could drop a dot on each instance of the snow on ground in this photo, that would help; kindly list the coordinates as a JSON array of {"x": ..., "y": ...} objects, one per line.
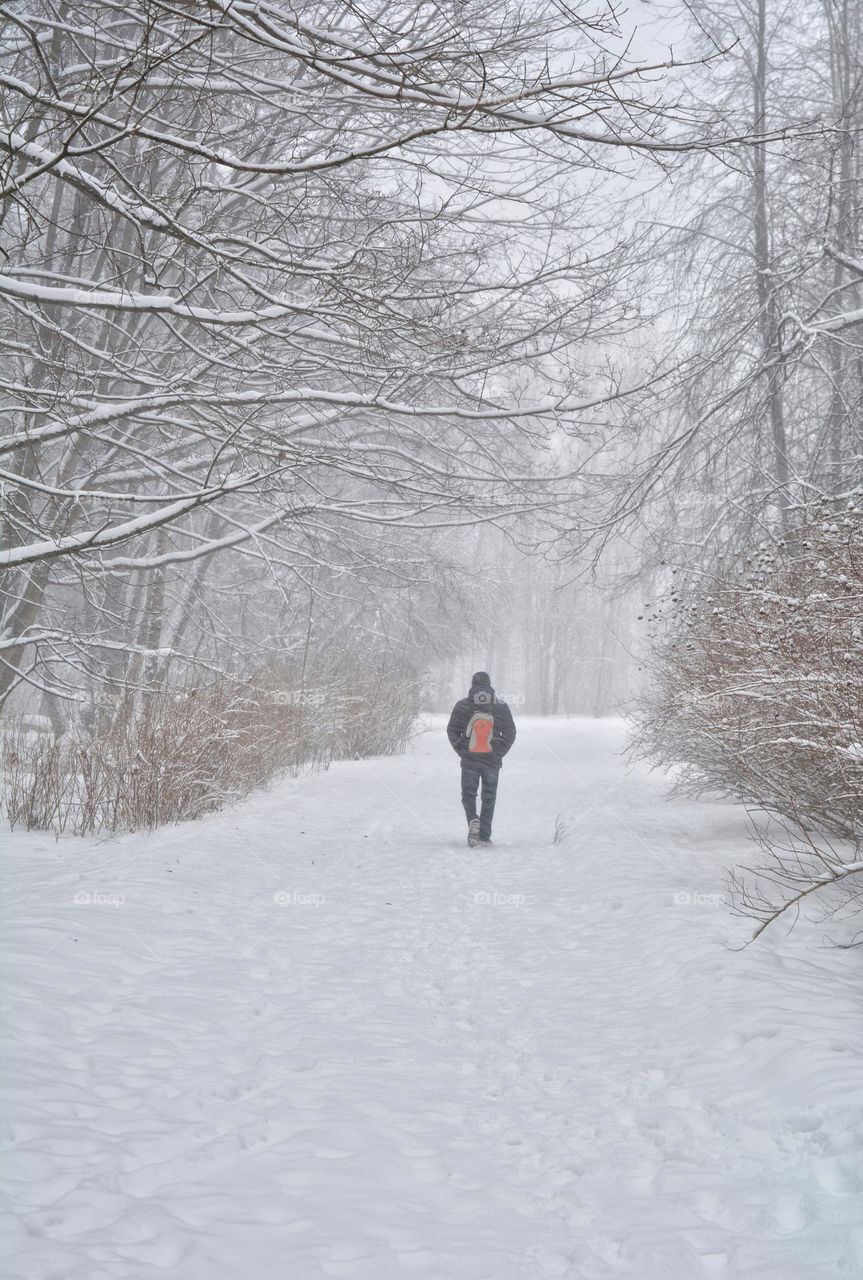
[{"x": 316, "y": 1036}]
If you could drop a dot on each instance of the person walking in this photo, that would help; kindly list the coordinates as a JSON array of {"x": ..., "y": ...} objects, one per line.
[{"x": 481, "y": 731}]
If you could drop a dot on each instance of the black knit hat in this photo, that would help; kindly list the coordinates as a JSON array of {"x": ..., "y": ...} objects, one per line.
[{"x": 481, "y": 677}]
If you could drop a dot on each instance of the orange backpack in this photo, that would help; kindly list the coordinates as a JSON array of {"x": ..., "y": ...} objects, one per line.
[{"x": 479, "y": 733}]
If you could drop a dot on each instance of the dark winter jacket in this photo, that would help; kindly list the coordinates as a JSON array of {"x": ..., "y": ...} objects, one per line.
[{"x": 504, "y": 726}]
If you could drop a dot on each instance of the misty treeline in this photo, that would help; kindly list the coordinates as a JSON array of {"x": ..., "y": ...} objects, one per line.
[
  {"x": 344, "y": 340},
  {"x": 751, "y": 534}
]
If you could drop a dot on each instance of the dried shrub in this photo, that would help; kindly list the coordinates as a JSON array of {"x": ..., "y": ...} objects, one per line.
[
  {"x": 177, "y": 755},
  {"x": 758, "y": 689},
  {"x": 758, "y": 695}
]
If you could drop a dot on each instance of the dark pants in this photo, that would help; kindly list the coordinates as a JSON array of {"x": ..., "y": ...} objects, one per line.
[{"x": 472, "y": 773}]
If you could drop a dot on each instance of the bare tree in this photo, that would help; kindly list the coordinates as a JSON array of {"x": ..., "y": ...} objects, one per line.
[
  {"x": 274, "y": 277},
  {"x": 758, "y": 296}
]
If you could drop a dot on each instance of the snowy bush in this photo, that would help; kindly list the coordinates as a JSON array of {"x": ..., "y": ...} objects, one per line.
[
  {"x": 758, "y": 694},
  {"x": 758, "y": 680},
  {"x": 188, "y": 752}
]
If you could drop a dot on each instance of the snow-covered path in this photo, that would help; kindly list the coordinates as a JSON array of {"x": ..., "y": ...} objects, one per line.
[{"x": 319, "y": 1037}]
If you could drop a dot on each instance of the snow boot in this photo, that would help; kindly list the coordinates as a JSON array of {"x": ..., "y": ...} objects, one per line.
[{"x": 473, "y": 832}]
